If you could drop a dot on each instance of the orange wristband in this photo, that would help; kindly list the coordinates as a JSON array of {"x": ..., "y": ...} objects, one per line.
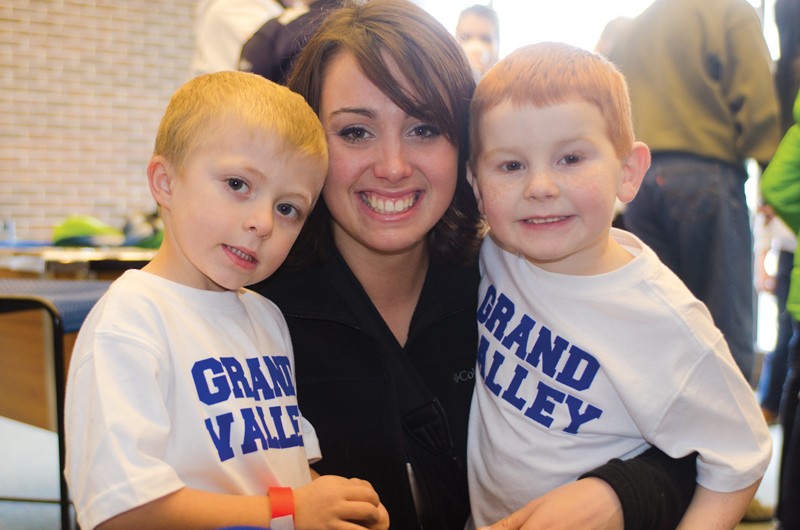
[{"x": 281, "y": 501}]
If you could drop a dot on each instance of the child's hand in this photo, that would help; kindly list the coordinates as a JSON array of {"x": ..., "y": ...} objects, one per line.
[
  {"x": 338, "y": 503},
  {"x": 589, "y": 504},
  {"x": 383, "y": 520}
]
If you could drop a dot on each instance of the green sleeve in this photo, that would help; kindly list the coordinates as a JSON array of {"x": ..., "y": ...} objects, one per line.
[{"x": 780, "y": 182}]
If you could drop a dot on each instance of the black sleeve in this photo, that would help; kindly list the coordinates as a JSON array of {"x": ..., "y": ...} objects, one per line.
[
  {"x": 261, "y": 53},
  {"x": 653, "y": 488}
]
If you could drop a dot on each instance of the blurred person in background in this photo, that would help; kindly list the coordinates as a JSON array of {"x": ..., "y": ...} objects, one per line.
[
  {"x": 478, "y": 32},
  {"x": 222, "y": 26},
  {"x": 270, "y": 51},
  {"x": 780, "y": 185},
  {"x": 772, "y": 237},
  {"x": 703, "y": 99}
]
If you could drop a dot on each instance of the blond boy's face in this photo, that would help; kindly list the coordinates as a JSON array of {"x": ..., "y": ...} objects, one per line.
[
  {"x": 234, "y": 210},
  {"x": 547, "y": 180}
]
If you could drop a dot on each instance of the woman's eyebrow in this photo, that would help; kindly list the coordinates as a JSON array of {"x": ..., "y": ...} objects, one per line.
[{"x": 361, "y": 111}]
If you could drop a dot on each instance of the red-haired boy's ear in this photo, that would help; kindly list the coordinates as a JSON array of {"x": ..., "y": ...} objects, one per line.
[
  {"x": 159, "y": 177},
  {"x": 473, "y": 181},
  {"x": 634, "y": 167}
]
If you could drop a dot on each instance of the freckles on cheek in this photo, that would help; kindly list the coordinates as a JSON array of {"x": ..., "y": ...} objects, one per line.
[
  {"x": 492, "y": 194},
  {"x": 493, "y": 209}
]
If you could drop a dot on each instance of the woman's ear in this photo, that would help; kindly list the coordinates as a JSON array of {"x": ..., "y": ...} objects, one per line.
[
  {"x": 473, "y": 181},
  {"x": 634, "y": 168},
  {"x": 159, "y": 176}
]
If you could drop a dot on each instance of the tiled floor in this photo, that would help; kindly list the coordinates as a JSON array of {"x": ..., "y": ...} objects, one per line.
[
  {"x": 29, "y": 469},
  {"x": 755, "y": 526},
  {"x": 768, "y": 491}
]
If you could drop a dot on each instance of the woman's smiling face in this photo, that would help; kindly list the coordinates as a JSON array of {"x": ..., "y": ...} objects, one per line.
[{"x": 391, "y": 176}]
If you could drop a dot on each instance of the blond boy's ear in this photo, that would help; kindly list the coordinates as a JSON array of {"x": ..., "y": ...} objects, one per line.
[
  {"x": 634, "y": 168},
  {"x": 159, "y": 177},
  {"x": 473, "y": 181}
]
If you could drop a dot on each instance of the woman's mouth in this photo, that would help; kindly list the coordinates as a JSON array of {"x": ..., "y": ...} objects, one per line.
[{"x": 387, "y": 205}]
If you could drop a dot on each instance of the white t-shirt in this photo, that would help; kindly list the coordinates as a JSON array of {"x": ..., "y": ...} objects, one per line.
[
  {"x": 171, "y": 386},
  {"x": 576, "y": 370},
  {"x": 222, "y": 27}
]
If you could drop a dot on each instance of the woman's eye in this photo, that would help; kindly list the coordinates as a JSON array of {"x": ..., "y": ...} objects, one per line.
[
  {"x": 236, "y": 184},
  {"x": 571, "y": 159},
  {"x": 354, "y": 134},
  {"x": 512, "y": 166},
  {"x": 426, "y": 131}
]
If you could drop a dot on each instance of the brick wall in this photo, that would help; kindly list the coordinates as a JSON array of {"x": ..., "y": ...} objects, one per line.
[{"x": 83, "y": 84}]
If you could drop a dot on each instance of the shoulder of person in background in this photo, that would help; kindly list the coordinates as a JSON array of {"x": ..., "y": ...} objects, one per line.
[
  {"x": 271, "y": 49},
  {"x": 222, "y": 26}
]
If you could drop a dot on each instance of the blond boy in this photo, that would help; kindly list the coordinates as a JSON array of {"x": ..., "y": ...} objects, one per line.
[
  {"x": 590, "y": 348},
  {"x": 181, "y": 404}
]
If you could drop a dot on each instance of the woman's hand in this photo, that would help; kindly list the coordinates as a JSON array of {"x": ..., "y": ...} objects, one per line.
[{"x": 588, "y": 504}]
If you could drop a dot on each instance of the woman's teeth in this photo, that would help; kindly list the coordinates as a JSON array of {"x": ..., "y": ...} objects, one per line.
[{"x": 384, "y": 205}]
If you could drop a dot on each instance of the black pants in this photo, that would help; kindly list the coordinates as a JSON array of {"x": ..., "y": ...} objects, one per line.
[{"x": 789, "y": 491}]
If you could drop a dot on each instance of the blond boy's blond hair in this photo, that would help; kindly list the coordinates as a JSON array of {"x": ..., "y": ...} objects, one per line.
[
  {"x": 200, "y": 105},
  {"x": 551, "y": 73}
]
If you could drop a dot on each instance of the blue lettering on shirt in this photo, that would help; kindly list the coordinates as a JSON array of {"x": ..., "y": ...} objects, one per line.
[
  {"x": 544, "y": 404},
  {"x": 210, "y": 381},
  {"x": 221, "y": 434},
  {"x": 551, "y": 357},
  {"x": 262, "y": 379},
  {"x": 281, "y": 374},
  {"x": 261, "y": 386},
  {"x": 236, "y": 376}
]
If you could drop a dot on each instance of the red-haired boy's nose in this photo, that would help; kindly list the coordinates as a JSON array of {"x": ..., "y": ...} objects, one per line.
[{"x": 541, "y": 185}]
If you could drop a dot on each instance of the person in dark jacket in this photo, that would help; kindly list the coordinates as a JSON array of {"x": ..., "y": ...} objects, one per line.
[
  {"x": 787, "y": 71},
  {"x": 380, "y": 294},
  {"x": 269, "y": 52}
]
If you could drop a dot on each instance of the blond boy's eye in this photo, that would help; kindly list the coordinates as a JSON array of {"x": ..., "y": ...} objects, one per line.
[{"x": 236, "y": 184}]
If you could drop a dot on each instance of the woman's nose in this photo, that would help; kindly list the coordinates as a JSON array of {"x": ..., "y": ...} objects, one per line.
[{"x": 394, "y": 163}]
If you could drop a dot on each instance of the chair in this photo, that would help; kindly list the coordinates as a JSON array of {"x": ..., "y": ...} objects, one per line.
[{"x": 67, "y": 302}]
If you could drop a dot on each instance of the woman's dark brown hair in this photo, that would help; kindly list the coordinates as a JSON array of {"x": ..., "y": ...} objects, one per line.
[{"x": 430, "y": 59}]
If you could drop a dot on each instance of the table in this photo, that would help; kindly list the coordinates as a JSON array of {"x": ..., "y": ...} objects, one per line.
[{"x": 71, "y": 262}]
